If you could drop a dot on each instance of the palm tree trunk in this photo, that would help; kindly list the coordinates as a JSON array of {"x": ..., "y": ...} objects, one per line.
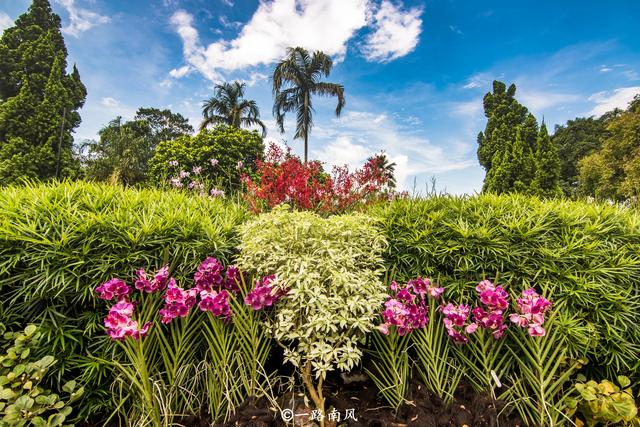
[{"x": 306, "y": 125}]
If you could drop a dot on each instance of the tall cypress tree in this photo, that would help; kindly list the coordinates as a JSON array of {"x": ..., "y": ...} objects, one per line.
[
  {"x": 547, "y": 174},
  {"x": 39, "y": 101},
  {"x": 508, "y": 142}
]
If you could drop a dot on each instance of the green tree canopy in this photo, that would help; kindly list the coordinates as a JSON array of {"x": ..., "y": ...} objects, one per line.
[
  {"x": 546, "y": 181},
  {"x": 575, "y": 140},
  {"x": 228, "y": 107},
  {"x": 216, "y": 151},
  {"x": 613, "y": 171},
  {"x": 39, "y": 100},
  {"x": 122, "y": 153}
]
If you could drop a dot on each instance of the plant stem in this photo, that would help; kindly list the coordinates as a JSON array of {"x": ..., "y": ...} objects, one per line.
[{"x": 316, "y": 395}]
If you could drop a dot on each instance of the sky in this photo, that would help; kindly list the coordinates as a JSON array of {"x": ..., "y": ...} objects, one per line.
[{"x": 414, "y": 71}]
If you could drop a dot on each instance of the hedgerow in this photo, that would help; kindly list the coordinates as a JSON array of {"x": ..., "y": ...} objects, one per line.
[
  {"x": 57, "y": 242},
  {"x": 585, "y": 256}
]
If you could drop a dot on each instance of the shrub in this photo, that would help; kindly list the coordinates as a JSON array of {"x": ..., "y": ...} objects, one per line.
[
  {"x": 22, "y": 399},
  {"x": 58, "y": 241},
  {"x": 283, "y": 178},
  {"x": 216, "y": 152},
  {"x": 585, "y": 256},
  {"x": 330, "y": 270},
  {"x": 605, "y": 402}
]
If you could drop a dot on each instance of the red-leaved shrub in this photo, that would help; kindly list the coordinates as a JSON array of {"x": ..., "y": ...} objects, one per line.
[{"x": 281, "y": 177}]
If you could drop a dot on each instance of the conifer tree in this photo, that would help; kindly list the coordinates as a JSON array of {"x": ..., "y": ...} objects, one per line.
[
  {"x": 39, "y": 101},
  {"x": 547, "y": 173},
  {"x": 509, "y": 142}
]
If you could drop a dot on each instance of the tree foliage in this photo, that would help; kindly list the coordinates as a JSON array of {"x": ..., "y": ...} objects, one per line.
[
  {"x": 216, "y": 151},
  {"x": 575, "y": 140},
  {"x": 122, "y": 153},
  {"x": 295, "y": 79},
  {"x": 229, "y": 107},
  {"x": 515, "y": 152},
  {"x": 613, "y": 171},
  {"x": 39, "y": 100}
]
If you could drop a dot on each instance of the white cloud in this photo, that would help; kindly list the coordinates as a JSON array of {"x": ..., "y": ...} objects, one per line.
[
  {"x": 80, "y": 19},
  {"x": 279, "y": 24},
  {"x": 224, "y": 21},
  {"x": 469, "y": 109},
  {"x": 538, "y": 100},
  {"x": 274, "y": 26},
  {"x": 178, "y": 73},
  {"x": 609, "y": 100},
  {"x": 605, "y": 69},
  {"x": 396, "y": 32},
  {"x": 110, "y": 102},
  {"x": 5, "y": 21},
  {"x": 480, "y": 80},
  {"x": 357, "y": 135},
  {"x": 228, "y": 2}
]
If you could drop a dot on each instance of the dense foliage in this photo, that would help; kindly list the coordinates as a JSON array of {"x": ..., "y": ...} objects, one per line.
[
  {"x": 23, "y": 400},
  {"x": 215, "y": 156},
  {"x": 39, "y": 100},
  {"x": 330, "y": 270},
  {"x": 58, "y": 242},
  {"x": 575, "y": 140},
  {"x": 613, "y": 171},
  {"x": 584, "y": 256},
  {"x": 122, "y": 153}
]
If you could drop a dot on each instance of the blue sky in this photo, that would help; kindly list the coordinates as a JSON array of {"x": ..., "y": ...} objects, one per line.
[{"x": 414, "y": 71}]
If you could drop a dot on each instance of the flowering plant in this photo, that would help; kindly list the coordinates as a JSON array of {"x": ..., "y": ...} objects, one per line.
[
  {"x": 281, "y": 177},
  {"x": 405, "y": 311},
  {"x": 238, "y": 347}
]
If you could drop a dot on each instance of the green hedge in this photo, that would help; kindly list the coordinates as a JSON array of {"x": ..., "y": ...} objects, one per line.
[
  {"x": 57, "y": 242},
  {"x": 586, "y": 256}
]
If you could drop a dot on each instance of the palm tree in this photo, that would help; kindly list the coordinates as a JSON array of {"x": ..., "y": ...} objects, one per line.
[
  {"x": 295, "y": 79},
  {"x": 229, "y": 107}
]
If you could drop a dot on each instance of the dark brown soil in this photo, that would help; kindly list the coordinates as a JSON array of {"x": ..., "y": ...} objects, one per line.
[{"x": 422, "y": 409}]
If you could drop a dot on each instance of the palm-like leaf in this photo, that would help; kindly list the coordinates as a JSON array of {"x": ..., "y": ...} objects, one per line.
[
  {"x": 295, "y": 79},
  {"x": 229, "y": 107}
]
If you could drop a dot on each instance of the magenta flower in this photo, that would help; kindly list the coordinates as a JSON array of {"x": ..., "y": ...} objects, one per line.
[
  {"x": 158, "y": 283},
  {"x": 495, "y": 301},
  {"x": 530, "y": 308},
  {"x": 265, "y": 293},
  {"x": 233, "y": 279},
  {"x": 239, "y": 165},
  {"x": 113, "y": 288},
  {"x": 213, "y": 162},
  {"x": 196, "y": 170},
  {"x": 176, "y": 182},
  {"x": 173, "y": 163},
  {"x": 209, "y": 275},
  {"x": 407, "y": 310},
  {"x": 120, "y": 325},
  {"x": 217, "y": 303},
  {"x": 178, "y": 302},
  {"x": 455, "y": 322}
]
